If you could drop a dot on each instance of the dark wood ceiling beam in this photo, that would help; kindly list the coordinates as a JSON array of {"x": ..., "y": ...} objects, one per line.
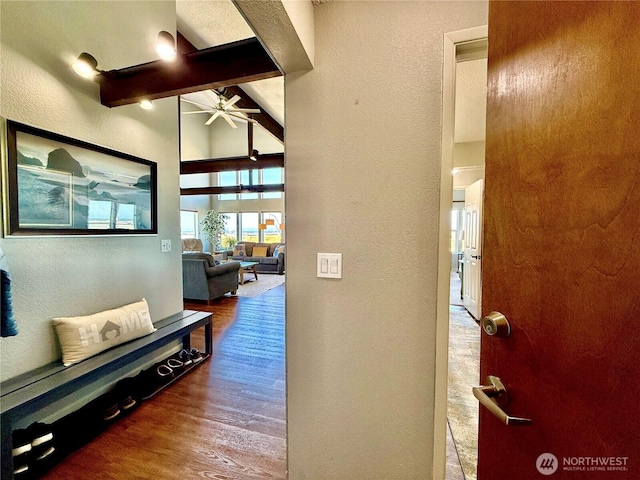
[
  {"x": 232, "y": 189},
  {"x": 215, "y": 67},
  {"x": 183, "y": 45},
  {"x": 265, "y": 120},
  {"x": 212, "y": 165}
]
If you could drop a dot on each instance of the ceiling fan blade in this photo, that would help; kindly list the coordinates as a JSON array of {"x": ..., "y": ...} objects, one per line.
[
  {"x": 245, "y": 110},
  {"x": 231, "y": 102},
  {"x": 199, "y": 111},
  {"x": 241, "y": 117},
  {"x": 229, "y": 121},
  {"x": 201, "y": 105},
  {"x": 213, "y": 117},
  {"x": 213, "y": 95}
]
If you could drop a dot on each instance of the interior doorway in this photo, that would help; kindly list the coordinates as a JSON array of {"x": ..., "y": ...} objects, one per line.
[{"x": 466, "y": 159}]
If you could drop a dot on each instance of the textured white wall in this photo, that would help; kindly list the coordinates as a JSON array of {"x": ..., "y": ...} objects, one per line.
[
  {"x": 195, "y": 143},
  {"x": 72, "y": 276},
  {"x": 363, "y": 134},
  {"x": 233, "y": 142}
]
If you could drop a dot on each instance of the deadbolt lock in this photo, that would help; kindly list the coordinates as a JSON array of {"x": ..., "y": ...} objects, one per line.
[{"x": 496, "y": 324}]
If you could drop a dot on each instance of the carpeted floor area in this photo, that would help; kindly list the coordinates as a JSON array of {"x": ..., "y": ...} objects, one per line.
[{"x": 464, "y": 368}]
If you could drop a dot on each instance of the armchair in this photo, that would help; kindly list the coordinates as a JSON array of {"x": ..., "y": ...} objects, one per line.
[{"x": 205, "y": 279}]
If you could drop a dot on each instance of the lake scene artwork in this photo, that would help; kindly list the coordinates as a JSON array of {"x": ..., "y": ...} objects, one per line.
[{"x": 79, "y": 188}]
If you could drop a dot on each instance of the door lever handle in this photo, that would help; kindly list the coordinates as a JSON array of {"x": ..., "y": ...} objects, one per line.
[{"x": 486, "y": 395}]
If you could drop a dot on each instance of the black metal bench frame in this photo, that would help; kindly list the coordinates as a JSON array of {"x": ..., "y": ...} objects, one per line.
[{"x": 26, "y": 394}]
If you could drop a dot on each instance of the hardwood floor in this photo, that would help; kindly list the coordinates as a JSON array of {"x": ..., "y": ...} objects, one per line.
[{"x": 224, "y": 420}]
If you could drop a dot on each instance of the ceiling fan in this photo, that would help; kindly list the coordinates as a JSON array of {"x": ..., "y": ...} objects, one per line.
[{"x": 222, "y": 107}]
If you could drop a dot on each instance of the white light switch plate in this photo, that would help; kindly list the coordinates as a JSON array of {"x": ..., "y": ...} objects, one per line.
[
  {"x": 165, "y": 246},
  {"x": 329, "y": 265}
]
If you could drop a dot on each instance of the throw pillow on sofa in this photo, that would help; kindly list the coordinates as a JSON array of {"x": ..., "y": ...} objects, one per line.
[
  {"x": 278, "y": 249},
  {"x": 238, "y": 251},
  {"x": 86, "y": 336},
  {"x": 259, "y": 252}
]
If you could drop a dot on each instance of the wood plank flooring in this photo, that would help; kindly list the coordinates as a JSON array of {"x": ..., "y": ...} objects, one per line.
[{"x": 224, "y": 420}]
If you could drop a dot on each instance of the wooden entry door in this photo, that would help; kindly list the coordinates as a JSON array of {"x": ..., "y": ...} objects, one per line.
[
  {"x": 471, "y": 278},
  {"x": 562, "y": 240}
]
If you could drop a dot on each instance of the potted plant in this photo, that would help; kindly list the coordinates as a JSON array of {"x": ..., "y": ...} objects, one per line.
[{"x": 213, "y": 225}]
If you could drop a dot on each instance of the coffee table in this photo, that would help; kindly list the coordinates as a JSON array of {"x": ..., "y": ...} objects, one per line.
[{"x": 247, "y": 267}]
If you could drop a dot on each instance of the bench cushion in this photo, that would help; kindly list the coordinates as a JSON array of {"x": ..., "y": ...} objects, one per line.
[{"x": 83, "y": 337}]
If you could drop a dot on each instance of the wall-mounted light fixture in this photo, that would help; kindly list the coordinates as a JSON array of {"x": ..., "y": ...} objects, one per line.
[
  {"x": 85, "y": 65},
  {"x": 166, "y": 46}
]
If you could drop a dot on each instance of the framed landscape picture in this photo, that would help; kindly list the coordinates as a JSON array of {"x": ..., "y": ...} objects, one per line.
[{"x": 61, "y": 186}]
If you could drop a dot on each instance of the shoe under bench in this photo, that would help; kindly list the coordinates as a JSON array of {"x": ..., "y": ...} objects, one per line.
[{"x": 28, "y": 393}]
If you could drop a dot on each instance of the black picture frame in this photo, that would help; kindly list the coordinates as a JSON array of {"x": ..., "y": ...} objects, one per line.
[{"x": 57, "y": 185}]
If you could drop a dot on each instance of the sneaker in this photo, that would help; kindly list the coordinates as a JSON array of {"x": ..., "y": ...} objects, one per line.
[
  {"x": 146, "y": 384},
  {"x": 42, "y": 440},
  {"x": 20, "y": 452},
  {"x": 43, "y": 453},
  {"x": 124, "y": 393},
  {"x": 185, "y": 357},
  {"x": 196, "y": 356},
  {"x": 110, "y": 407}
]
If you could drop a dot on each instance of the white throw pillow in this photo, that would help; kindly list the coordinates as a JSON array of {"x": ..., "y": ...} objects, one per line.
[{"x": 84, "y": 337}]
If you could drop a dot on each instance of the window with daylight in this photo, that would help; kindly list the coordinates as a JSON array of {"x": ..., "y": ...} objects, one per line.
[
  {"x": 268, "y": 176},
  {"x": 273, "y": 231},
  {"x": 271, "y": 176},
  {"x": 457, "y": 216},
  {"x": 244, "y": 180},
  {"x": 230, "y": 236},
  {"x": 227, "y": 179},
  {"x": 249, "y": 226},
  {"x": 188, "y": 224}
]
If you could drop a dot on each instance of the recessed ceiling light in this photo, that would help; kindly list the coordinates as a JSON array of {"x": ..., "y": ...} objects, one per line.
[
  {"x": 146, "y": 104},
  {"x": 455, "y": 171}
]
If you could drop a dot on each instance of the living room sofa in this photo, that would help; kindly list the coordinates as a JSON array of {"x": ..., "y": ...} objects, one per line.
[
  {"x": 203, "y": 278},
  {"x": 266, "y": 264}
]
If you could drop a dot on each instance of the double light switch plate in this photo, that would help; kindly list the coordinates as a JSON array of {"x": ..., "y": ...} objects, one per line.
[{"x": 329, "y": 265}]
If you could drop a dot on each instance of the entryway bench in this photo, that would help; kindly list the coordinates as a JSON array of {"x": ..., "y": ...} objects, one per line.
[{"x": 28, "y": 393}]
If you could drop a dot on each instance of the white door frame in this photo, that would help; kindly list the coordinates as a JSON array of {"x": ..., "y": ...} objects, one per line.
[{"x": 451, "y": 40}]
